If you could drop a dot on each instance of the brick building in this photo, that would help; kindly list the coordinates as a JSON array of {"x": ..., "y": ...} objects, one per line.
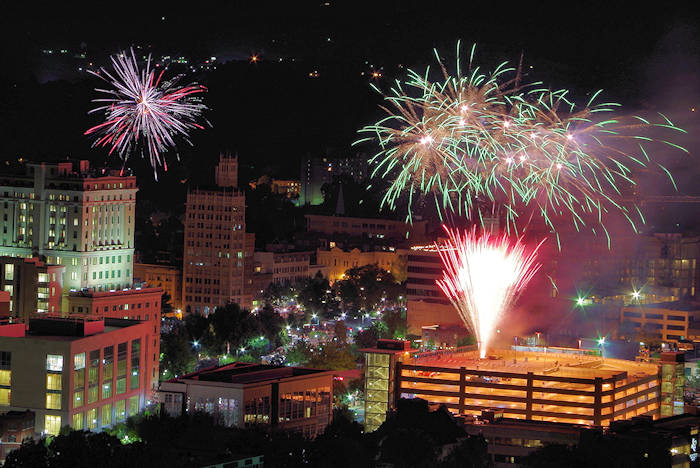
[{"x": 168, "y": 278}]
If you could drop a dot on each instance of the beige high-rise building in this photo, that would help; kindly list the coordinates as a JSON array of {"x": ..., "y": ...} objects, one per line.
[
  {"x": 75, "y": 216},
  {"x": 217, "y": 248}
]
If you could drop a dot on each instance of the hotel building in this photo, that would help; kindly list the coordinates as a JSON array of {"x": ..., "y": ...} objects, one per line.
[
  {"x": 82, "y": 373},
  {"x": 73, "y": 215},
  {"x": 33, "y": 286}
]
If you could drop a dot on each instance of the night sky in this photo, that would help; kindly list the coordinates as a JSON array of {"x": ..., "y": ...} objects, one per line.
[{"x": 272, "y": 114}]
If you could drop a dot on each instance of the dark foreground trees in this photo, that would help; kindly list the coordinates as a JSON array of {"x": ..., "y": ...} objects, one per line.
[{"x": 415, "y": 437}]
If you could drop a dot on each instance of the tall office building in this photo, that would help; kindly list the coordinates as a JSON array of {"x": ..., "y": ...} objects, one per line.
[
  {"x": 75, "y": 216},
  {"x": 216, "y": 245}
]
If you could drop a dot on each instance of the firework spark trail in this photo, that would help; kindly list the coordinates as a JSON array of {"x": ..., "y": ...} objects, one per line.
[
  {"x": 143, "y": 111},
  {"x": 482, "y": 136},
  {"x": 482, "y": 277}
]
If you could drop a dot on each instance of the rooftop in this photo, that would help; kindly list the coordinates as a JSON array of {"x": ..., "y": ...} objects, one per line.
[
  {"x": 675, "y": 305},
  {"x": 54, "y": 328},
  {"x": 247, "y": 373}
]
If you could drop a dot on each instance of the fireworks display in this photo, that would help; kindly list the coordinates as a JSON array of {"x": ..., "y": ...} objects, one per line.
[
  {"x": 486, "y": 136},
  {"x": 482, "y": 277},
  {"x": 144, "y": 112}
]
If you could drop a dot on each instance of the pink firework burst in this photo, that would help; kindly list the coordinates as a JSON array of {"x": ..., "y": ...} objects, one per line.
[
  {"x": 482, "y": 277},
  {"x": 143, "y": 111}
]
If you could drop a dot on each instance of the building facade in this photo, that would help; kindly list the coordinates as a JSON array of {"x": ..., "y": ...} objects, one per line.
[
  {"x": 286, "y": 267},
  {"x": 667, "y": 321},
  {"x": 370, "y": 227},
  {"x": 216, "y": 245},
  {"x": 426, "y": 304},
  {"x": 88, "y": 374},
  {"x": 15, "y": 428},
  {"x": 244, "y": 394},
  {"x": 318, "y": 171},
  {"x": 339, "y": 261},
  {"x": 34, "y": 286},
  {"x": 75, "y": 216},
  {"x": 168, "y": 278}
]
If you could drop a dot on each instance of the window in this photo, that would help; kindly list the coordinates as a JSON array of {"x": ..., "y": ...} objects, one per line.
[
  {"x": 78, "y": 421},
  {"x": 120, "y": 410},
  {"x": 9, "y": 271},
  {"x": 53, "y": 381},
  {"x": 107, "y": 415},
  {"x": 106, "y": 390},
  {"x": 5, "y": 396},
  {"x": 53, "y": 401},
  {"x": 92, "y": 421},
  {"x": 92, "y": 394},
  {"x": 54, "y": 362},
  {"x": 121, "y": 360},
  {"x": 133, "y": 405},
  {"x": 78, "y": 397},
  {"x": 108, "y": 363},
  {"x": 121, "y": 385},
  {"x": 52, "y": 424},
  {"x": 135, "y": 364},
  {"x": 5, "y": 371}
]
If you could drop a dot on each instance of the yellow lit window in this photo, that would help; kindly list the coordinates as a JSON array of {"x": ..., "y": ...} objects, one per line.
[
  {"x": 107, "y": 415},
  {"x": 5, "y": 396},
  {"x": 53, "y": 401},
  {"x": 120, "y": 409},
  {"x": 53, "y": 381},
  {"x": 52, "y": 424},
  {"x": 5, "y": 377},
  {"x": 78, "y": 399},
  {"x": 92, "y": 419},
  {"x": 78, "y": 421}
]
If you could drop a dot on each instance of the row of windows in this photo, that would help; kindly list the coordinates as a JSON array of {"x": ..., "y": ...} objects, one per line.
[
  {"x": 648, "y": 315},
  {"x": 95, "y": 418}
]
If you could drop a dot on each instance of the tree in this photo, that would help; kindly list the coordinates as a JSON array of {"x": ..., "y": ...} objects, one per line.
[
  {"x": 165, "y": 306},
  {"x": 299, "y": 354},
  {"x": 332, "y": 355},
  {"x": 270, "y": 324},
  {"x": 316, "y": 296},
  {"x": 368, "y": 288},
  {"x": 232, "y": 327},
  {"x": 177, "y": 357},
  {"x": 341, "y": 331},
  {"x": 342, "y": 444}
]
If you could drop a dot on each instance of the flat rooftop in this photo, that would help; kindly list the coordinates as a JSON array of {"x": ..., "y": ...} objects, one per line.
[
  {"x": 675, "y": 305},
  {"x": 247, "y": 373},
  {"x": 540, "y": 363}
]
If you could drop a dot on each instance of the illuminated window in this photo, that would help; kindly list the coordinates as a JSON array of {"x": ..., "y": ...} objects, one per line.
[
  {"x": 92, "y": 421},
  {"x": 133, "y": 405},
  {"x": 53, "y": 381},
  {"x": 53, "y": 401},
  {"x": 54, "y": 362},
  {"x": 5, "y": 396},
  {"x": 9, "y": 271},
  {"x": 44, "y": 277},
  {"x": 92, "y": 393},
  {"x": 78, "y": 421},
  {"x": 52, "y": 424},
  {"x": 121, "y": 385},
  {"x": 78, "y": 397},
  {"x": 5, "y": 377},
  {"x": 107, "y": 390},
  {"x": 107, "y": 414},
  {"x": 120, "y": 410}
]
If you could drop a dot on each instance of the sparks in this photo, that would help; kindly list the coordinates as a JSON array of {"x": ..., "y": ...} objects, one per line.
[
  {"x": 477, "y": 118},
  {"x": 142, "y": 111},
  {"x": 482, "y": 277}
]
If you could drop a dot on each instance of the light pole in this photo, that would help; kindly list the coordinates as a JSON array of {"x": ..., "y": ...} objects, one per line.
[{"x": 601, "y": 342}]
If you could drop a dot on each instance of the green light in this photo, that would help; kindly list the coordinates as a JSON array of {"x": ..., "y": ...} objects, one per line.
[{"x": 580, "y": 301}]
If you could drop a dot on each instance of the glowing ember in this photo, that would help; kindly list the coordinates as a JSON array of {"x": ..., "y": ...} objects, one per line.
[{"x": 482, "y": 277}]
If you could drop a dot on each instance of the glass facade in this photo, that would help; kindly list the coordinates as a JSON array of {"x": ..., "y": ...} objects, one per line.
[{"x": 377, "y": 385}]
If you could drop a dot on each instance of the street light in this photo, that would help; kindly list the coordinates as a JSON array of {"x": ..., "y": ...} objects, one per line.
[{"x": 601, "y": 342}]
